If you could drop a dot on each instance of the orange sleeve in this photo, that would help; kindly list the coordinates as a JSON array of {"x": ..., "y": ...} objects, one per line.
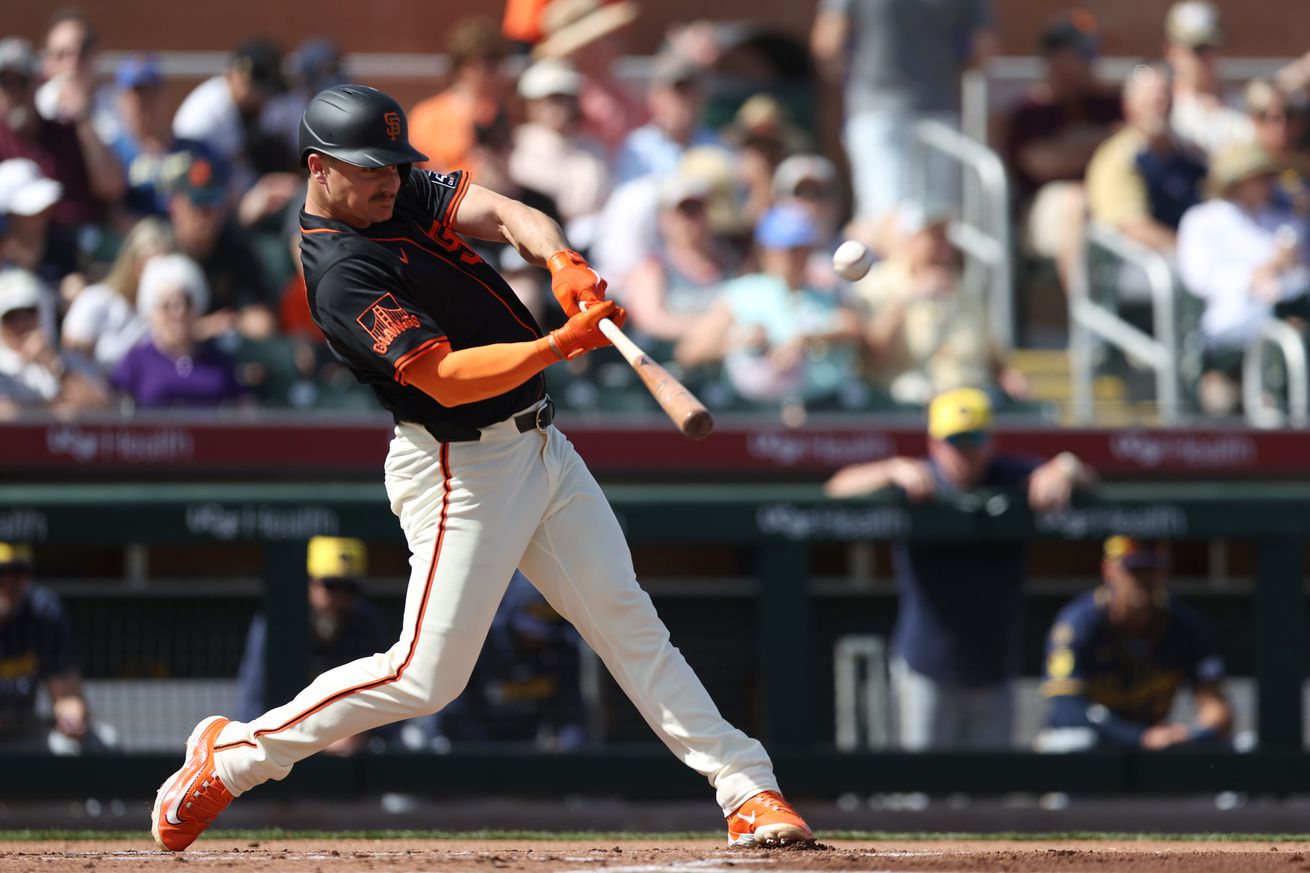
[
  {"x": 522, "y": 21},
  {"x": 468, "y": 375}
]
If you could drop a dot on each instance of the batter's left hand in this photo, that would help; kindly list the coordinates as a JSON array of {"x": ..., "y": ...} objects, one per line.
[{"x": 574, "y": 281}]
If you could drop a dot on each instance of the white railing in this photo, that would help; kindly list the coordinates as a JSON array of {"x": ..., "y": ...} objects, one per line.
[
  {"x": 983, "y": 229},
  {"x": 1088, "y": 321},
  {"x": 860, "y": 693},
  {"x": 1283, "y": 337}
]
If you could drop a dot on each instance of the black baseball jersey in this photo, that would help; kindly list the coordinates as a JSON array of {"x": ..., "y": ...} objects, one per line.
[{"x": 386, "y": 293}]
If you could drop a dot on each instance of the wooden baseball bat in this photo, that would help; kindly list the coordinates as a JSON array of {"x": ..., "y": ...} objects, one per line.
[{"x": 688, "y": 413}]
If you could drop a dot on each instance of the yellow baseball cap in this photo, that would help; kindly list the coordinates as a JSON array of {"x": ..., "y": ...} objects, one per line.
[
  {"x": 15, "y": 555},
  {"x": 959, "y": 411},
  {"x": 337, "y": 558},
  {"x": 1134, "y": 553}
]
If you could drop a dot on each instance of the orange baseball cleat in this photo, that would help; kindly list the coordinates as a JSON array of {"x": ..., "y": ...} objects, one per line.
[
  {"x": 767, "y": 820},
  {"x": 190, "y": 799}
]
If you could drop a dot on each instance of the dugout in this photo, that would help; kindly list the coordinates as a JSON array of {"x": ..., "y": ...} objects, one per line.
[{"x": 776, "y": 546}]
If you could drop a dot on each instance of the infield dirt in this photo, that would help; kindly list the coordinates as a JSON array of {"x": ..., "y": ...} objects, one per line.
[{"x": 632, "y": 856}]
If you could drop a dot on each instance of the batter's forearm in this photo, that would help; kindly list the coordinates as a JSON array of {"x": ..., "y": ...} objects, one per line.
[
  {"x": 534, "y": 234},
  {"x": 469, "y": 375}
]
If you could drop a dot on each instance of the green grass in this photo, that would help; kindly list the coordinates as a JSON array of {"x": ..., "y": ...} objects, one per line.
[{"x": 609, "y": 836}]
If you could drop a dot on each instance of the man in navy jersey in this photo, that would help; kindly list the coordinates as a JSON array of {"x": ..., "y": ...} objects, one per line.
[
  {"x": 955, "y": 646},
  {"x": 1117, "y": 656},
  {"x": 481, "y": 481}
]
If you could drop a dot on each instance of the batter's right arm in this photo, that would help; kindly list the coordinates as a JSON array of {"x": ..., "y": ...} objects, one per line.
[{"x": 484, "y": 214}]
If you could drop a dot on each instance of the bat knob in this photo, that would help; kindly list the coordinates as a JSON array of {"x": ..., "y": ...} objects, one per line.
[{"x": 698, "y": 424}]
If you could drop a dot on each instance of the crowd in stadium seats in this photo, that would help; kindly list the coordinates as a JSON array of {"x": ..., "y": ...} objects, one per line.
[{"x": 705, "y": 205}]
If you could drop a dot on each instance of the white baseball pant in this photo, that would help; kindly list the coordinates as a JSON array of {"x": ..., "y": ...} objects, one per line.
[{"x": 472, "y": 512}]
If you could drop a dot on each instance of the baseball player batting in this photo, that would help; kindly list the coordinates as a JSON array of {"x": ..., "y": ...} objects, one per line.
[{"x": 480, "y": 479}]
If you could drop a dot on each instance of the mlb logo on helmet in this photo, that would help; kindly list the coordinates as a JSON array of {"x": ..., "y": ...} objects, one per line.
[{"x": 393, "y": 124}]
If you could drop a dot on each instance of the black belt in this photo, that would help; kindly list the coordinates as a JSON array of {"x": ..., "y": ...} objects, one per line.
[{"x": 534, "y": 419}]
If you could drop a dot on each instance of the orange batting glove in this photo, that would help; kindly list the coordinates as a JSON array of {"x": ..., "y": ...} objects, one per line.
[
  {"x": 581, "y": 333},
  {"x": 574, "y": 281}
]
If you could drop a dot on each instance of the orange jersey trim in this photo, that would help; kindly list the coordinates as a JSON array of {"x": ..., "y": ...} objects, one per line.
[
  {"x": 457, "y": 198},
  {"x": 413, "y": 354},
  {"x": 418, "y": 625},
  {"x": 319, "y": 230}
]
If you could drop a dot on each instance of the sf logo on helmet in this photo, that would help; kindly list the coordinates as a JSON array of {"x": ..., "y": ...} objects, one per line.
[{"x": 393, "y": 124}]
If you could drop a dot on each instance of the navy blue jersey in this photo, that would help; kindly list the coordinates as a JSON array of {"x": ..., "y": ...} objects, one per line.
[
  {"x": 387, "y": 293},
  {"x": 958, "y": 619},
  {"x": 1134, "y": 677},
  {"x": 36, "y": 642}
]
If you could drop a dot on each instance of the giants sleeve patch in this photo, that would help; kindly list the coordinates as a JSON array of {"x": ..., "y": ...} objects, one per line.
[
  {"x": 384, "y": 320},
  {"x": 446, "y": 179}
]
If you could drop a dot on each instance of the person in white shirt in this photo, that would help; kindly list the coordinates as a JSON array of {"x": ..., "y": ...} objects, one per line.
[
  {"x": 550, "y": 153},
  {"x": 217, "y": 111},
  {"x": 68, "y": 63},
  {"x": 102, "y": 322},
  {"x": 1244, "y": 253},
  {"x": 33, "y": 373},
  {"x": 1202, "y": 114}
]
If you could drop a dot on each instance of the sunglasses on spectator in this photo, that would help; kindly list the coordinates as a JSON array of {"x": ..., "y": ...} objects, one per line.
[
  {"x": 15, "y": 314},
  {"x": 969, "y": 439},
  {"x": 1273, "y": 117},
  {"x": 810, "y": 191},
  {"x": 691, "y": 208}
]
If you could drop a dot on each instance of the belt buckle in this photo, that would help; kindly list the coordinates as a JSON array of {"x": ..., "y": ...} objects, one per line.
[{"x": 545, "y": 414}]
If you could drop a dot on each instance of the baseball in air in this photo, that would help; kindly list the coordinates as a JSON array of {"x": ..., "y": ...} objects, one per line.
[{"x": 852, "y": 260}]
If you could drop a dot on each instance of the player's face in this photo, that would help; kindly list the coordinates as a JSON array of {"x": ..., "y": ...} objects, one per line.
[
  {"x": 963, "y": 459},
  {"x": 1135, "y": 592},
  {"x": 13, "y": 585},
  {"x": 360, "y": 196}
]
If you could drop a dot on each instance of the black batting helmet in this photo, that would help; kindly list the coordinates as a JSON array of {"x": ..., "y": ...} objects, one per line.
[{"x": 359, "y": 125}]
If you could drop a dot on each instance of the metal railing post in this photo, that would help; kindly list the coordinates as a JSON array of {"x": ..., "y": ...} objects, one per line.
[
  {"x": 993, "y": 221},
  {"x": 1283, "y": 337}
]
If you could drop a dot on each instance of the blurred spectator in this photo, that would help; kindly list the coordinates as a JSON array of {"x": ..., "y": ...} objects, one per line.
[
  {"x": 809, "y": 182},
  {"x": 1142, "y": 179},
  {"x": 667, "y": 292},
  {"x": 955, "y": 645},
  {"x": 1244, "y": 253},
  {"x": 1051, "y": 137},
  {"x": 37, "y": 648},
  {"x": 1201, "y": 115},
  {"x": 628, "y": 231},
  {"x": 102, "y": 322},
  {"x": 27, "y": 199},
  {"x": 779, "y": 339},
  {"x": 1117, "y": 655},
  {"x": 899, "y": 63},
  {"x": 70, "y": 152},
  {"x": 316, "y": 65},
  {"x": 761, "y": 135},
  {"x": 526, "y": 686},
  {"x": 1279, "y": 127},
  {"x": 143, "y": 138},
  {"x": 552, "y": 155},
  {"x": 34, "y": 374},
  {"x": 68, "y": 64},
  {"x": 238, "y": 291},
  {"x": 592, "y": 35},
  {"x": 927, "y": 333},
  {"x": 170, "y": 368},
  {"x": 675, "y": 97},
  {"x": 344, "y": 626},
  {"x": 444, "y": 127},
  {"x": 521, "y": 24},
  {"x": 223, "y": 113}
]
